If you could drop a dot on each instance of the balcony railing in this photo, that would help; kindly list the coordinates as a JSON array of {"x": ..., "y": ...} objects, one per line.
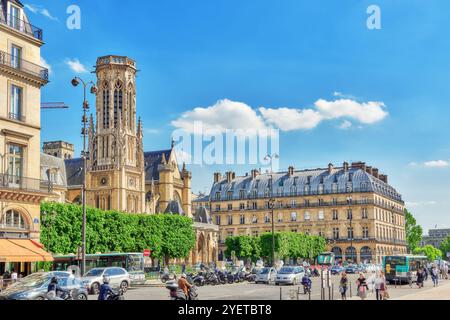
[
  {"x": 16, "y": 116},
  {"x": 23, "y": 65},
  {"x": 20, "y": 183},
  {"x": 22, "y": 26}
]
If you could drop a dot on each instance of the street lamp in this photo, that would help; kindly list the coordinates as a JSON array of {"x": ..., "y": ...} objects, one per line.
[
  {"x": 350, "y": 216},
  {"x": 270, "y": 157},
  {"x": 75, "y": 82}
]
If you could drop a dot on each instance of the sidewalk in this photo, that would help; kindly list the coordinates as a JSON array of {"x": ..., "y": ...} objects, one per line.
[{"x": 441, "y": 292}]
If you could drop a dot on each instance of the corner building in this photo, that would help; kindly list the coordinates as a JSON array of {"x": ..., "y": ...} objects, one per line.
[{"x": 353, "y": 207}]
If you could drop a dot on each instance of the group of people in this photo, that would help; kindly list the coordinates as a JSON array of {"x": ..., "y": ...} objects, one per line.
[
  {"x": 377, "y": 282},
  {"x": 434, "y": 272},
  {"x": 9, "y": 278}
]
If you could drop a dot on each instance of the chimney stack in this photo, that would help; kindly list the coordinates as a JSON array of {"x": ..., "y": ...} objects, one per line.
[
  {"x": 291, "y": 171},
  {"x": 330, "y": 168},
  {"x": 217, "y": 177},
  {"x": 345, "y": 165},
  {"x": 375, "y": 172},
  {"x": 255, "y": 173},
  {"x": 384, "y": 178},
  {"x": 359, "y": 165},
  {"x": 230, "y": 176}
]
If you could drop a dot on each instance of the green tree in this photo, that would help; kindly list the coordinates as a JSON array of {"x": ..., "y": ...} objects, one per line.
[
  {"x": 445, "y": 247},
  {"x": 431, "y": 252},
  {"x": 413, "y": 231},
  {"x": 169, "y": 236},
  {"x": 244, "y": 247}
]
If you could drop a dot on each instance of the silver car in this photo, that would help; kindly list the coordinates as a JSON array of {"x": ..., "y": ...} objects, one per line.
[
  {"x": 266, "y": 275},
  {"x": 118, "y": 277},
  {"x": 290, "y": 275}
]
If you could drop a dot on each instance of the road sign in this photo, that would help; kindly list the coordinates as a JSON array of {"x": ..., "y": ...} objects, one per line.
[{"x": 147, "y": 252}]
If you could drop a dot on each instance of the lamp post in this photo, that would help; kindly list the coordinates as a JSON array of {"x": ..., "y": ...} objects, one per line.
[
  {"x": 350, "y": 215},
  {"x": 270, "y": 157},
  {"x": 75, "y": 82}
]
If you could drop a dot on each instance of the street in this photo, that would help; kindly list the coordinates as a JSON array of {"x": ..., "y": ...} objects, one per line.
[{"x": 251, "y": 291}]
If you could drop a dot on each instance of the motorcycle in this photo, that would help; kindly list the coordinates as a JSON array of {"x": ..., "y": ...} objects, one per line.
[
  {"x": 177, "y": 294},
  {"x": 166, "y": 277},
  {"x": 222, "y": 277},
  {"x": 197, "y": 280},
  {"x": 212, "y": 279},
  {"x": 230, "y": 278},
  {"x": 250, "y": 277},
  {"x": 118, "y": 295}
]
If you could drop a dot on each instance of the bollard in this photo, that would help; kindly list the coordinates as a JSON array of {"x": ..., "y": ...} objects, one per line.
[
  {"x": 350, "y": 289},
  {"x": 332, "y": 291},
  {"x": 309, "y": 294},
  {"x": 281, "y": 298}
]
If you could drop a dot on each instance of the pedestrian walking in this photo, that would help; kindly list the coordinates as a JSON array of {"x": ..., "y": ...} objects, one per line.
[
  {"x": 377, "y": 285},
  {"x": 183, "y": 268},
  {"x": 420, "y": 277},
  {"x": 343, "y": 285},
  {"x": 409, "y": 275},
  {"x": 434, "y": 276},
  {"x": 14, "y": 276},
  {"x": 361, "y": 286},
  {"x": 384, "y": 294}
]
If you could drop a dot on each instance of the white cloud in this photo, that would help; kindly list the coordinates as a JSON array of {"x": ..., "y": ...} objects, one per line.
[
  {"x": 366, "y": 112},
  {"x": 224, "y": 114},
  {"x": 37, "y": 9},
  {"x": 45, "y": 64},
  {"x": 419, "y": 204},
  {"x": 345, "y": 125},
  {"x": 436, "y": 164},
  {"x": 291, "y": 119},
  {"x": 227, "y": 114},
  {"x": 76, "y": 65}
]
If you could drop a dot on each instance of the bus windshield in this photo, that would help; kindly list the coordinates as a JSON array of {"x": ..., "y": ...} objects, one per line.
[{"x": 398, "y": 261}]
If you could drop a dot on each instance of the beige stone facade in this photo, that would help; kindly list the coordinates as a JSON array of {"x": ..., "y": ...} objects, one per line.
[
  {"x": 353, "y": 207},
  {"x": 21, "y": 79}
]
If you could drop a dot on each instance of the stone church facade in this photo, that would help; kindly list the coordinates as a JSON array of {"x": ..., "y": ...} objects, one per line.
[{"x": 119, "y": 174}]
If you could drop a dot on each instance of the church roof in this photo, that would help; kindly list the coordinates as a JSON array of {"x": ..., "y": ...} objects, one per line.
[
  {"x": 152, "y": 159},
  {"x": 74, "y": 171},
  {"x": 174, "y": 207}
]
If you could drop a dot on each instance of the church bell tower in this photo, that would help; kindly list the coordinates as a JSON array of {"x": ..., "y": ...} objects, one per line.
[{"x": 115, "y": 172}]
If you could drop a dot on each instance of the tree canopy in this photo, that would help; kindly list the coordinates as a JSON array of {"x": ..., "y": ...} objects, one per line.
[
  {"x": 287, "y": 245},
  {"x": 413, "y": 231},
  {"x": 431, "y": 252},
  {"x": 170, "y": 236}
]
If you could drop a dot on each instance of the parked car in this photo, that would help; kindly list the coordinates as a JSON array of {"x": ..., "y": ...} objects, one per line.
[
  {"x": 351, "y": 269},
  {"x": 119, "y": 277},
  {"x": 137, "y": 278},
  {"x": 289, "y": 275},
  {"x": 35, "y": 286},
  {"x": 336, "y": 269},
  {"x": 266, "y": 275}
]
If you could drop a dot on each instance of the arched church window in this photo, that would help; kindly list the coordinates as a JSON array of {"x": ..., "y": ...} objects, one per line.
[
  {"x": 118, "y": 101},
  {"x": 105, "y": 98}
]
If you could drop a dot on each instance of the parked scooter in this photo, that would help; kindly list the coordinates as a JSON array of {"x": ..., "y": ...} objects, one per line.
[
  {"x": 116, "y": 295},
  {"x": 222, "y": 277},
  {"x": 166, "y": 277}
]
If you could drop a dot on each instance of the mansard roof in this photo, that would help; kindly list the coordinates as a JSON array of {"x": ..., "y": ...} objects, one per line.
[
  {"x": 304, "y": 182},
  {"x": 51, "y": 162}
]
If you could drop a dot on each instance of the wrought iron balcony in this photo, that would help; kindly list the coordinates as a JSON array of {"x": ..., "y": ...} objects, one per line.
[
  {"x": 22, "y": 26},
  {"x": 23, "y": 65},
  {"x": 16, "y": 116},
  {"x": 8, "y": 181}
]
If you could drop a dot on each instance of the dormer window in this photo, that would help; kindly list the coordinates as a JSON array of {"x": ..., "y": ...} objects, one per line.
[{"x": 14, "y": 16}]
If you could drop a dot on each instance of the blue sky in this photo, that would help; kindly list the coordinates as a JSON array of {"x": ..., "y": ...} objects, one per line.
[{"x": 283, "y": 56}]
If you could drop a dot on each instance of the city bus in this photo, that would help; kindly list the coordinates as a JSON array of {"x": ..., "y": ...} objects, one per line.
[
  {"x": 396, "y": 268},
  {"x": 132, "y": 262},
  {"x": 326, "y": 258}
]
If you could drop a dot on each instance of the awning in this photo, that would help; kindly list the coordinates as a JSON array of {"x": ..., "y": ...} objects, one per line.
[{"x": 22, "y": 250}]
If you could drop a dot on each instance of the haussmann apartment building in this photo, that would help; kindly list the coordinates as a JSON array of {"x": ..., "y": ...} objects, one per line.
[{"x": 353, "y": 207}]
